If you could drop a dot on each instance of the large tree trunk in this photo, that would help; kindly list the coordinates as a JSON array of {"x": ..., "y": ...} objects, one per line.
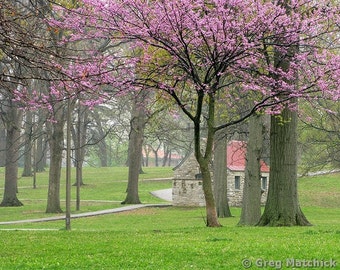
[
  {"x": 251, "y": 202},
  {"x": 28, "y": 137},
  {"x": 56, "y": 142},
  {"x": 136, "y": 137},
  {"x": 220, "y": 175},
  {"x": 13, "y": 120},
  {"x": 282, "y": 206}
]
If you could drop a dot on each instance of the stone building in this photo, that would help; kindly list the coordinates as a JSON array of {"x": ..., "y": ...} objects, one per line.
[{"x": 187, "y": 182}]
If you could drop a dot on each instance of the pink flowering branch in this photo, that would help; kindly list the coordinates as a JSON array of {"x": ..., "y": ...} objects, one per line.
[{"x": 202, "y": 44}]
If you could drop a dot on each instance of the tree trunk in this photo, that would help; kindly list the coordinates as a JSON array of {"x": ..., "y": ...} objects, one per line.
[
  {"x": 204, "y": 159},
  {"x": 136, "y": 137},
  {"x": 169, "y": 158},
  {"x": 2, "y": 145},
  {"x": 41, "y": 153},
  {"x": 13, "y": 121},
  {"x": 27, "y": 172},
  {"x": 56, "y": 142},
  {"x": 155, "y": 152},
  {"x": 79, "y": 141},
  {"x": 220, "y": 175},
  {"x": 167, "y": 153},
  {"x": 211, "y": 220},
  {"x": 251, "y": 202},
  {"x": 147, "y": 154},
  {"x": 102, "y": 145},
  {"x": 282, "y": 206}
]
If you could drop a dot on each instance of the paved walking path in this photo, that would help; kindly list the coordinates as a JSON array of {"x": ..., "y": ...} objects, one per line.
[
  {"x": 165, "y": 194},
  {"x": 87, "y": 214}
]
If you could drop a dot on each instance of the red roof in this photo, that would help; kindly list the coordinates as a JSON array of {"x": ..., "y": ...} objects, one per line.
[{"x": 236, "y": 157}]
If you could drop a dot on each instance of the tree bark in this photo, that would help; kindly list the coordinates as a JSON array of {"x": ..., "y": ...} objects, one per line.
[
  {"x": 210, "y": 206},
  {"x": 137, "y": 125},
  {"x": 282, "y": 206},
  {"x": 79, "y": 141},
  {"x": 41, "y": 153},
  {"x": 167, "y": 154},
  {"x": 102, "y": 145},
  {"x": 2, "y": 145},
  {"x": 220, "y": 175},
  {"x": 56, "y": 143},
  {"x": 13, "y": 120},
  {"x": 204, "y": 159},
  {"x": 27, "y": 172},
  {"x": 147, "y": 154},
  {"x": 251, "y": 202}
]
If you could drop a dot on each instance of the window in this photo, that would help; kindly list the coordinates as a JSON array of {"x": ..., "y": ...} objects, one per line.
[
  {"x": 237, "y": 182},
  {"x": 264, "y": 183},
  {"x": 198, "y": 176}
]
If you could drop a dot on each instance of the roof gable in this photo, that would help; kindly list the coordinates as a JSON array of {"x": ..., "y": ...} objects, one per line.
[{"x": 236, "y": 157}]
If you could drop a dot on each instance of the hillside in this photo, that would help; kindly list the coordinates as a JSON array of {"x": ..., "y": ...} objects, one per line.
[{"x": 320, "y": 191}]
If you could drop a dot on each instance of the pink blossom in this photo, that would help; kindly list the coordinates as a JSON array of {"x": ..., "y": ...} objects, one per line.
[{"x": 205, "y": 47}]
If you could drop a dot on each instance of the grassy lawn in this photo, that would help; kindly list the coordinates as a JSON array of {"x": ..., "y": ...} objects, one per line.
[
  {"x": 104, "y": 189},
  {"x": 165, "y": 237}
]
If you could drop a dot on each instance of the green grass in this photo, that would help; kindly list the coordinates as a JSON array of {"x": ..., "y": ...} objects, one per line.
[
  {"x": 320, "y": 191},
  {"x": 166, "y": 237},
  {"x": 104, "y": 189}
]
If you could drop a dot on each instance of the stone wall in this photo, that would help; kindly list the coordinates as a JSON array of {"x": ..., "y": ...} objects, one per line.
[
  {"x": 235, "y": 195},
  {"x": 187, "y": 192},
  {"x": 187, "y": 185}
]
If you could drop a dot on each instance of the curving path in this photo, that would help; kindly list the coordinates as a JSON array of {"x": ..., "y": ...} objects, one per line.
[{"x": 162, "y": 194}]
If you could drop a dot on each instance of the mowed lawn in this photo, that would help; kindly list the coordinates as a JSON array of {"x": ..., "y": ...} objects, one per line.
[{"x": 165, "y": 237}]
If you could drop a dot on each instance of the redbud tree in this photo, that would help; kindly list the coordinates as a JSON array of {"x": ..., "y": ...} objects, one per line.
[{"x": 200, "y": 53}]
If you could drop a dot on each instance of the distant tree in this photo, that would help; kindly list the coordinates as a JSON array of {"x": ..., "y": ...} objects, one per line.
[
  {"x": 12, "y": 120},
  {"x": 2, "y": 144},
  {"x": 100, "y": 134},
  {"x": 319, "y": 135},
  {"x": 28, "y": 140},
  {"x": 79, "y": 137},
  {"x": 166, "y": 131}
]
